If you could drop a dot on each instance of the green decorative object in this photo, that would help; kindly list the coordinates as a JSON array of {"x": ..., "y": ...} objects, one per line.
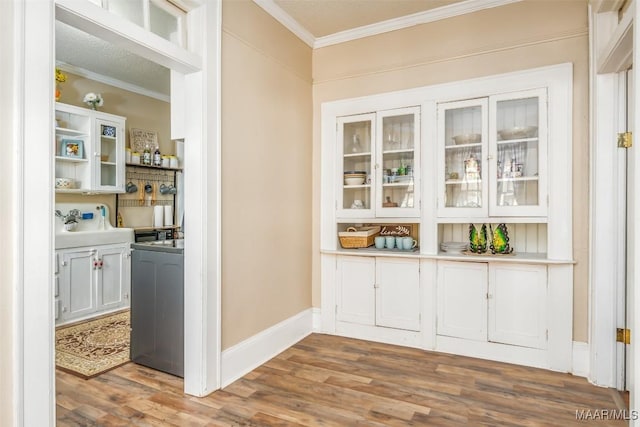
[
  {"x": 478, "y": 239},
  {"x": 500, "y": 240}
]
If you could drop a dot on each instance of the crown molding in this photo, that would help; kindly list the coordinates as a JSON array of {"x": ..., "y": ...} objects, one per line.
[
  {"x": 285, "y": 19},
  {"x": 112, "y": 82},
  {"x": 444, "y": 12}
]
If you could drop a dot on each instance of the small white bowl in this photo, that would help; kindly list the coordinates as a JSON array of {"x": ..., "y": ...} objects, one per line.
[{"x": 359, "y": 180}]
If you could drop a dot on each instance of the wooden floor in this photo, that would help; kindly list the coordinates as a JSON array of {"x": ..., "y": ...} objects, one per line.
[{"x": 332, "y": 381}]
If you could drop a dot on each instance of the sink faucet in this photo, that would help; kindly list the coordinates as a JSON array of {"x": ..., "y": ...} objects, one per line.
[{"x": 72, "y": 216}]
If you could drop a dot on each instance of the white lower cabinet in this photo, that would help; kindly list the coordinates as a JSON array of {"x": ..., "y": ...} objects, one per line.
[
  {"x": 376, "y": 291},
  {"x": 92, "y": 280},
  {"x": 462, "y": 300},
  {"x": 495, "y": 302}
]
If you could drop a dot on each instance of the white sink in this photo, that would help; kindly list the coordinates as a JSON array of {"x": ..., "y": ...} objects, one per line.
[
  {"x": 91, "y": 230},
  {"x": 75, "y": 239}
]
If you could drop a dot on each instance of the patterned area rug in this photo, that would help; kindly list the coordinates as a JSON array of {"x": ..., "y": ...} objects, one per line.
[{"x": 90, "y": 348}]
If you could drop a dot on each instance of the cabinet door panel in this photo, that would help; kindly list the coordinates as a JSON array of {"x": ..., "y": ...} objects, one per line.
[
  {"x": 517, "y": 309},
  {"x": 462, "y": 300},
  {"x": 398, "y": 293},
  {"x": 111, "y": 278},
  {"x": 79, "y": 278},
  {"x": 354, "y": 172},
  {"x": 518, "y": 149},
  {"x": 109, "y": 161},
  {"x": 462, "y": 158},
  {"x": 355, "y": 297},
  {"x": 397, "y": 163}
]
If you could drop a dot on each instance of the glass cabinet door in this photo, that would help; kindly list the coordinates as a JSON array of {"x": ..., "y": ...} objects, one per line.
[
  {"x": 518, "y": 150},
  {"x": 462, "y": 137},
  {"x": 397, "y": 161},
  {"x": 109, "y": 155},
  {"x": 355, "y": 178}
]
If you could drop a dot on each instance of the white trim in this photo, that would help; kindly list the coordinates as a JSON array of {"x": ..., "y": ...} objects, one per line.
[
  {"x": 33, "y": 123},
  {"x": 617, "y": 54},
  {"x": 82, "y": 72},
  {"x": 607, "y": 176},
  {"x": 494, "y": 351},
  {"x": 580, "y": 364},
  {"x": 202, "y": 207},
  {"x": 316, "y": 323},
  {"x": 437, "y": 14},
  {"x": 247, "y": 355},
  {"x": 285, "y": 19}
]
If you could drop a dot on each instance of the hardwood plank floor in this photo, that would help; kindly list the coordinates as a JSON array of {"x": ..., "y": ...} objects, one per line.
[{"x": 332, "y": 381}]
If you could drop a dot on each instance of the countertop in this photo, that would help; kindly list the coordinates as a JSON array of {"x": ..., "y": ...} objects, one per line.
[{"x": 172, "y": 246}]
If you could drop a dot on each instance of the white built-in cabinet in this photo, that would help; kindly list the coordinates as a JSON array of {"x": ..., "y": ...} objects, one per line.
[
  {"x": 485, "y": 151},
  {"x": 493, "y": 302},
  {"x": 91, "y": 281},
  {"x": 89, "y": 149},
  {"x": 382, "y": 292}
]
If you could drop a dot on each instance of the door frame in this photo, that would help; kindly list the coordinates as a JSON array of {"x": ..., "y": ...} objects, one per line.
[
  {"x": 31, "y": 125},
  {"x": 613, "y": 43}
]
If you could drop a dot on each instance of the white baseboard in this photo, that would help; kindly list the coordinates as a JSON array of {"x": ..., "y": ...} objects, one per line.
[
  {"x": 580, "y": 359},
  {"x": 317, "y": 319},
  {"x": 244, "y": 357}
]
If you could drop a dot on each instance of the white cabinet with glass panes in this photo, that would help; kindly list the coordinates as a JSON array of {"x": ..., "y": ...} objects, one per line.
[
  {"x": 89, "y": 156},
  {"x": 492, "y": 153},
  {"x": 378, "y": 175}
]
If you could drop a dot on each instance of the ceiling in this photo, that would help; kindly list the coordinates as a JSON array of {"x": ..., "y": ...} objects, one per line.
[
  {"x": 90, "y": 57},
  {"x": 324, "y": 17}
]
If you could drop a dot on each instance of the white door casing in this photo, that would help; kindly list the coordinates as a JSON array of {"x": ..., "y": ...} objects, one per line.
[{"x": 32, "y": 51}]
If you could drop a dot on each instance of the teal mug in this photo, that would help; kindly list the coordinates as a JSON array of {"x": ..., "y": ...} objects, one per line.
[
  {"x": 408, "y": 243},
  {"x": 390, "y": 242},
  {"x": 380, "y": 241}
]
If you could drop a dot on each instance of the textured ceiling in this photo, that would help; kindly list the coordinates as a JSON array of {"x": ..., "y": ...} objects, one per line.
[
  {"x": 319, "y": 17},
  {"x": 79, "y": 49},
  {"x": 324, "y": 17}
]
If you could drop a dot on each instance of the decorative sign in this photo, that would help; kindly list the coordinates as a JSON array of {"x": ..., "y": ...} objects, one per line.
[
  {"x": 396, "y": 230},
  {"x": 139, "y": 138}
]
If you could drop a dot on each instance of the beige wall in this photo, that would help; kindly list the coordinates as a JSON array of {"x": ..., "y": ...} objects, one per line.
[
  {"x": 266, "y": 172},
  {"x": 522, "y": 35},
  {"x": 141, "y": 112}
]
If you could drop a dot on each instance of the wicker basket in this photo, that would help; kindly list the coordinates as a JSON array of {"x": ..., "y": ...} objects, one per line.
[{"x": 361, "y": 237}]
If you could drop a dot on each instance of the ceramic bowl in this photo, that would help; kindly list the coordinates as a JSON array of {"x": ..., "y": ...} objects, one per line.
[
  {"x": 357, "y": 180},
  {"x": 518, "y": 132},
  {"x": 467, "y": 138},
  {"x": 65, "y": 183}
]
